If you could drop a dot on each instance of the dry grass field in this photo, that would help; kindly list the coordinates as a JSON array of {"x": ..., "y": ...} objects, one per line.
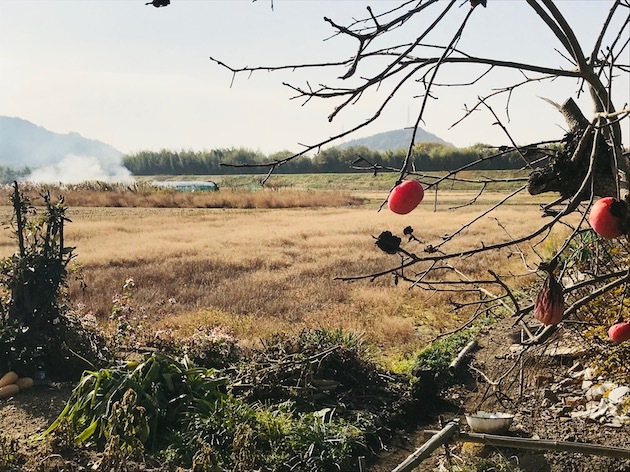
[{"x": 260, "y": 271}]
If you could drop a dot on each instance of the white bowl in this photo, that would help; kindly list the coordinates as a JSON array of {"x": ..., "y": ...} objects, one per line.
[{"x": 491, "y": 423}]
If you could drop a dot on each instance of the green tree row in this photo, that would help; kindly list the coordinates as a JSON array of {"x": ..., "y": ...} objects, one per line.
[{"x": 427, "y": 157}]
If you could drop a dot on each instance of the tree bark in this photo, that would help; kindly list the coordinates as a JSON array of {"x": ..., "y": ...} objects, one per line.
[{"x": 566, "y": 171}]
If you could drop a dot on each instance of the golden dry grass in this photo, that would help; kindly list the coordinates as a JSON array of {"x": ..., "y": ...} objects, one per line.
[
  {"x": 143, "y": 196},
  {"x": 263, "y": 271}
]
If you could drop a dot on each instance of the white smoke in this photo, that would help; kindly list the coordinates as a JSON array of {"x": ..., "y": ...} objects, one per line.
[{"x": 74, "y": 169}]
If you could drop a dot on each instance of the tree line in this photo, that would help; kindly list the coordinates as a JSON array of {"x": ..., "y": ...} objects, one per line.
[{"x": 427, "y": 157}]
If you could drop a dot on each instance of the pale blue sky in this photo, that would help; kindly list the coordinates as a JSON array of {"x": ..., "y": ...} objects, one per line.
[{"x": 138, "y": 77}]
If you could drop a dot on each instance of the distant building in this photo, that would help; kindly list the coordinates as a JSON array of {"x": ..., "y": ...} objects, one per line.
[{"x": 187, "y": 185}]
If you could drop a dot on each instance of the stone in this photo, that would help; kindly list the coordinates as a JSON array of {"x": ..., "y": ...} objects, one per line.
[
  {"x": 586, "y": 384},
  {"x": 595, "y": 393},
  {"x": 550, "y": 396},
  {"x": 591, "y": 405},
  {"x": 577, "y": 375},
  {"x": 589, "y": 374},
  {"x": 617, "y": 395},
  {"x": 601, "y": 411},
  {"x": 613, "y": 424},
  {"x": 622, "y": 419}
]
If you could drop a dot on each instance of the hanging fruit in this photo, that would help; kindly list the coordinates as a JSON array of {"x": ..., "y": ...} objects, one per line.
[
  {"x": 549, "y": 306},
  {"x": 405, "y": 196},
  {"x": 607, "y": 217},
  {"x": 619, "y": 332}
]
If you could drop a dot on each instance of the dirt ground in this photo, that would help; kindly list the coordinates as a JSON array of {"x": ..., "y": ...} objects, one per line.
[{"x": 542, "y": 387}]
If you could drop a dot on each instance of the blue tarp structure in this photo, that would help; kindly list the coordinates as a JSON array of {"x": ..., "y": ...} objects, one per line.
[{"x": 188, "y": 185}]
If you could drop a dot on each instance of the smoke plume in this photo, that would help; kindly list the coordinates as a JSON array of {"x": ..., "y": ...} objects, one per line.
[{"x": 73, "y": 169}]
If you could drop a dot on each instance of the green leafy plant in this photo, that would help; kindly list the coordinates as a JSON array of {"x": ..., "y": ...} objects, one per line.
[
  {"x": 36, "y": 273},
  {"x": 273, "y": 418},
  {"x": 437, "y": 356},
  {"x": 102, "y": 405},
  {"x": 241, "y": 437}
]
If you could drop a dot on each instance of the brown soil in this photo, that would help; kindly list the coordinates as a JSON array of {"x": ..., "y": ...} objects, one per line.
[
  {"x": 539, "y": 370},
  {"x": 33, "y": 410}
]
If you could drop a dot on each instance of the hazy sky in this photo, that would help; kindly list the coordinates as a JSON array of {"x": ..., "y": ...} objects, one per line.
[{"x": 139, "y": 77}]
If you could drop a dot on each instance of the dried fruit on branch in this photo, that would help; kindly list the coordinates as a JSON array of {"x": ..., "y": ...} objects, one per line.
[
  {"x": 387, "y": 242},
  {"x": 549, "y": 306}
]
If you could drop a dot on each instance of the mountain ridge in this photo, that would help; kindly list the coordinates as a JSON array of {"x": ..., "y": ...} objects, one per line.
[
  {"x": 31, "y": 152},
  {"x": 23, "y": 143},
  {"x": 395, "y": 139}
]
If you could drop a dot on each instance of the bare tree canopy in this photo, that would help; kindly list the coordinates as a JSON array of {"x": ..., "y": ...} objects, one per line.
[
  {"x": 586, "y": 161},
  {"x": 379, "y": 64}
]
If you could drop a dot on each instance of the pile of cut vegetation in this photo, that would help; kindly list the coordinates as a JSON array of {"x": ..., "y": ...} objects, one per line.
[
  {"x": 325, "y": 368},
  {"x": 314, "y": 402}
]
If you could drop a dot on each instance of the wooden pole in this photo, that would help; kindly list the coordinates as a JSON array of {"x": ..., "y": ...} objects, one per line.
[
  {"x": 470, "y": 347},
  {"x": 540, "y": 444},
  {"x": 438, "y": 438}
]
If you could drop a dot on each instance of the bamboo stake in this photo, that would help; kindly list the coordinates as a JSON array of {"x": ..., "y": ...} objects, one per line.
[
  {"x": 438, "y": 438},
  {"x": 540, "y": 444}
]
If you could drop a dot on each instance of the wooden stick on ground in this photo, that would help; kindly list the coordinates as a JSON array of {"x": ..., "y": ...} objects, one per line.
[
  {"x": 540, "y": 444},
  {"x": 437, "y": 439}
]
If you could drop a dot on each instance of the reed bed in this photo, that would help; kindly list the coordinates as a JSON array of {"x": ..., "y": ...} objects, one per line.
[{"x": 143, "y": 195}]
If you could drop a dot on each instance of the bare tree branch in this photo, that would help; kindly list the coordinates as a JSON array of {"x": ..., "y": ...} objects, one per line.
[{"x": 587, "y": 161}]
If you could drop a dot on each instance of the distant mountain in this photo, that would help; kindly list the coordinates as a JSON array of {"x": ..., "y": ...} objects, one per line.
[
  {"x": 56, "y": 157},
  {"x": 392, "y": 140},
  {"x": 23, "y": 143}
]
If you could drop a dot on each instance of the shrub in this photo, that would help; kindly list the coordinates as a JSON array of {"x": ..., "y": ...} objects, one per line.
[{"x": 36, "y": 334}]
